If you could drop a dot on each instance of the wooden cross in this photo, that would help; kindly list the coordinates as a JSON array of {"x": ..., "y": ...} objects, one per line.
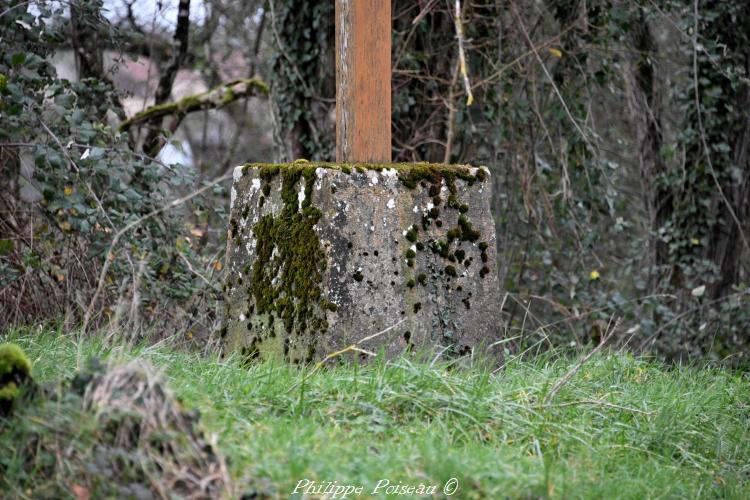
[{"x": 363, "y": 81}]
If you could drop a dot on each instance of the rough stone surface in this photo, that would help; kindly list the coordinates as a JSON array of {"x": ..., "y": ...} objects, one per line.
[{"x": 323, "y": 255}]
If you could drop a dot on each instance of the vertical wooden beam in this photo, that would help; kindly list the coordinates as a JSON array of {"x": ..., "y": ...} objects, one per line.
[{"x": 363, "y": 80}]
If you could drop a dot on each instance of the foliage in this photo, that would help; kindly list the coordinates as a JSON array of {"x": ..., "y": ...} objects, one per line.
[
  {"x": 302, "y": 78},
  {"x": 622, "y": 427},
  {"x": 593, "y": 170},
  {"x": 77, "y": 182}
]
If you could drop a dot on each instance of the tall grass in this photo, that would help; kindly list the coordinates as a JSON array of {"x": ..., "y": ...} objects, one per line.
[{"x": 622, "y": 427}]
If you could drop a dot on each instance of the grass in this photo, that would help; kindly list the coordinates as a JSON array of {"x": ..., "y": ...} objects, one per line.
[{"x": 623, "y": 427}]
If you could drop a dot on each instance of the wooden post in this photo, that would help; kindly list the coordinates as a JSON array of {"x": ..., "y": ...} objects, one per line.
[{"x": 363, "y": 81}]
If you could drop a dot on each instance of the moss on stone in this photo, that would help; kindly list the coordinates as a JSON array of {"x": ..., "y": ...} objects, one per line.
[
  {"x": 290, "y": 261},
  {"x": 288, "y": 269},
  {"x": 410, "y": 174}
]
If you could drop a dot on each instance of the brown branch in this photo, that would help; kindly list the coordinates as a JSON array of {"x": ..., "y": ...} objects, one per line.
[{"x": 164, "y": 89}]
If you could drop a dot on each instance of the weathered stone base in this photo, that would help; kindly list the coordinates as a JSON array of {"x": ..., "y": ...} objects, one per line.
[{"x": 323, "y": 255}]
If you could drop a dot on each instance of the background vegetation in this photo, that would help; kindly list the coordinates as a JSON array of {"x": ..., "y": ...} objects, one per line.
[{"x": 616, "y": 131}]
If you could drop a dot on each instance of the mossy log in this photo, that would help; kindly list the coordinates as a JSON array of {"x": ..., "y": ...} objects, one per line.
[
  {"x": 322, "y": 255},
  {"x": 214, "y": 98}
]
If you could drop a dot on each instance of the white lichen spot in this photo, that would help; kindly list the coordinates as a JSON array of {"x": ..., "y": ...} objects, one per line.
[
  {"x": 242, "y": 317},
  {"x": 237, "y": 173},
  {"x": 372, "y": 228},
  {"x": 374, "y": 179},
  {"x": 413, "y": 248},
  {"x": 430, "y": 206},
  {"x": 404, "y": 232},
  {"x": 473, "y": 170},
  {"x": 391, "y": 203},
  {"x": 232, "y": 197},
  {"x": 416, "y": 209},
  {"x": 389, "y": 172},
  {"x": 256, "y": 184},
  {"x": 301, "y": 196}
]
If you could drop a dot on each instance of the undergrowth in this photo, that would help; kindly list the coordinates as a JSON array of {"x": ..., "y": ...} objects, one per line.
[{"x": 622, "y": 427}]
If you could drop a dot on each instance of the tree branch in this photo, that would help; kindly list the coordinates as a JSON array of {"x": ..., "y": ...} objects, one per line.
[{"x": 214, "y": 98}]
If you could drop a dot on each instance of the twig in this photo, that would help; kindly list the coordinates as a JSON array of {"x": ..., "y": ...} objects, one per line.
[
  {"x": 461, "y": 54},
  {"x": 566, "y": 378},
  {"x": 597, "y": 402},
  {"x": 354, "y": 347},
  {"x": 551, "y": 80}
]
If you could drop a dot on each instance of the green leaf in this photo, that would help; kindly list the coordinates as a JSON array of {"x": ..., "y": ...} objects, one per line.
[
  {"x": 6, "y": 246},
  {"x": 18, "y": 58}
]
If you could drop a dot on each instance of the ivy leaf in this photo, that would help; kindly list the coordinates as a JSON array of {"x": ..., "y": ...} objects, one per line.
[{"x": 18, "y": 58}]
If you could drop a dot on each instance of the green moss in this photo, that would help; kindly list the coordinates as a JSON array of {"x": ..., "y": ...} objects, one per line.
[
  {"x": 483, "y": 246},
  {"x": 330, "y": 306},
  {"x": 206, "y": 100},
  {"x": 15, "y": 370},
  {"x": 484, "y": 272},
  {"x": 410, "y": 174},
  {"x": 441, "y": 248},
  {"x": 8, "y": 393},
  {"x": 417, "y": 307},
  {"x": 290, "y": 262},
  {"x": 468, "y": 233},
  {"x": 12, "y": 361}
]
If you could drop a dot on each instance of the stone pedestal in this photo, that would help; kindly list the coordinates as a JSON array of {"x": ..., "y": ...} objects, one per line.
[{"x": 322, "y": 255}]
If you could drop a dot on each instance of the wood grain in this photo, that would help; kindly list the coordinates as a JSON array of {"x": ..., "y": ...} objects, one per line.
[{"x": 363, "y": 80}]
